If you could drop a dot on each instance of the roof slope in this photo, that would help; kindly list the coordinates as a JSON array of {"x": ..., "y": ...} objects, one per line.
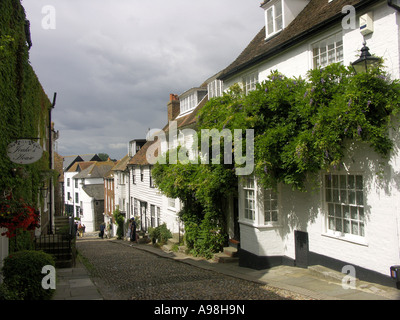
[
  {"x": 95, "y": 170},
  {"x": 314, "y": 18},
  {"x": 188, "y": 120},
  {"x": 95, "y": 191}
]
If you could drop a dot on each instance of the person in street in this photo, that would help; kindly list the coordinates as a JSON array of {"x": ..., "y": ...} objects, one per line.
[
  {"x": 80, "y": 229},
  {"x": 102, "y": 227},
  {"x": 83, "y": 230},
  {"x": 133, "y": 230}
]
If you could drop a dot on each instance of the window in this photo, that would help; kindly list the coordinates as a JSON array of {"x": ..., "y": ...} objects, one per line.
[
  {"x": 69, "y": 196},
  {"x": 344, "y": 197},
  {"x": 215, "y": 89},
  {"x": 153, "y": 215},
  {"x": 274, "y": 19},
  {"x": 68, "y": 182},
  {"x": 249, "y": 82},
  {"x": 76, "y": 183},
  {"x": 328, "y": 51},
  {"x": 151, "y": 179},
  {"x": 76, "y": 197},
  {"x": 270, "y": 206},
  {"x": 259, "y": 207},
  {"x": 136, "y": 207},
  {"x": 188, "y": 103},
  {"x": 171, "y": 203},
  {"x": 141, "y": 174},
  {"x": 249, "y": 198},
  {"x": 158, "y": 216}
]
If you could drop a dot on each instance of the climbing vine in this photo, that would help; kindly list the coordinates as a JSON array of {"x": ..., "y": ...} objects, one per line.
[
  {"x": 24, "y": 107},
  {"x": 300, "y": 128}
]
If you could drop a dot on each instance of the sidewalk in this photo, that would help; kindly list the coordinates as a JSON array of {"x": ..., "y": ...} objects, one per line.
[
  {"x": 75, "y": 284},
  {"x": 315, "y": 282}
]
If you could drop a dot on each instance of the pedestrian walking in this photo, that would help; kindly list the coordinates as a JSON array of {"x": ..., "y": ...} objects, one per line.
[
  {"x": 133, "y": 230},
  {"x": 83, "y": 229},
  {"x": 102, "y": 227},
  {"x": 80, "y": 229}
]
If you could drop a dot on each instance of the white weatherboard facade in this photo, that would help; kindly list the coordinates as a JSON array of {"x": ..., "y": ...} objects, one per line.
[{"x": 368, "y": 234}]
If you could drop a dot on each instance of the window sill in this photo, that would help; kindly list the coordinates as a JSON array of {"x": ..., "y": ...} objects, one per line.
[
  {"x": 347, "y": 238},
  {"x": 260, "y": 226}
]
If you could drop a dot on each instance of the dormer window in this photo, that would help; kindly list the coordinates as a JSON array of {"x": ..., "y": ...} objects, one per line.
[
  {"x": 274, "y": 18},
  {"x": 280, "y": 13},
  {"x": 191, "y": 98}
]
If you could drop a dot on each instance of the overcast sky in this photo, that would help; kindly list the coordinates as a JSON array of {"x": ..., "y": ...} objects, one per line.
[{"x": 113, "y": 63}]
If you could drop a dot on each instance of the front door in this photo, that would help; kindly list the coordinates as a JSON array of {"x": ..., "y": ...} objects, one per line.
[{"x": 301, "y": 248}]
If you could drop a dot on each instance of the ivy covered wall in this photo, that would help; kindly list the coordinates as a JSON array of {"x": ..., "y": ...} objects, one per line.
[{"x": 24, "y": 107}]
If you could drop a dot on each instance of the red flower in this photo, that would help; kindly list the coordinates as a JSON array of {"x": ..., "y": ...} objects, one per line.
[{"x": 17, "y": 215}]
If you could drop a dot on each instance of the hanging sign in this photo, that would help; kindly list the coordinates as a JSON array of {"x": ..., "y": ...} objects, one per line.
[{"x": 24, "y": 151}]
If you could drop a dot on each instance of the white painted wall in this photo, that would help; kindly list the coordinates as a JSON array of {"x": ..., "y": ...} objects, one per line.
[{"x": 380, "y": 248}]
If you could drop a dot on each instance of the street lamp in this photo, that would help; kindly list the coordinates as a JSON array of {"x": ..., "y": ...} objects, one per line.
[{"x": 365, "y": 62}]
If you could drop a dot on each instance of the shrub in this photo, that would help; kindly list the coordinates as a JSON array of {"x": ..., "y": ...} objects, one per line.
[
  {"x": 119, "y": 220},
  {"x": 160, "y": 234},
  {"x": 23, "y": 276}
]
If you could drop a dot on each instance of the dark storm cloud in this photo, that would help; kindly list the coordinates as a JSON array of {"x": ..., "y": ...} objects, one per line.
[{"x": 114, "y": 63}]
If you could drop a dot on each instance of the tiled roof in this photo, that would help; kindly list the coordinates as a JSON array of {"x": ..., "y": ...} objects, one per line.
[
  {"x": 95, "y": 191},
  {"x": 96, "y": 170},
  {"x": 314, "y": 18},
  {"x": 80, "y": 166},
  {"x": 121, "y": 164}
]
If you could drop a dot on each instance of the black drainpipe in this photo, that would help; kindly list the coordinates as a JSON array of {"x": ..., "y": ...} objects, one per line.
[{"x": 395, "y": 6}]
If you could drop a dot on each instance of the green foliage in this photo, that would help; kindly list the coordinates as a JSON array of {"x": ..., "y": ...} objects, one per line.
[
  {"x": 300, "y": 128},
  {"x": 24, "y": 105},
  {"x": 23, "y": 275},
  {"x": 160, "y": 234},
  {"x": 119, "y": 220}
]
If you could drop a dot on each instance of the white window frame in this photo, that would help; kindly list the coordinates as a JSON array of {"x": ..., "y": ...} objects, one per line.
[
  {"x": 152, "y": 215},
  {"x": 328, "y": 50},
  {"x": 250, "y": 81},
  {"x": 188, "y": 103},
  {"x": 262, "y": 214},
  {"x": 273, "y": 20},
  {"x": 249, "y": 198},
  {"x": 215, "y": 89},
  {"x": 345, "y": 206},
  {"x": 171, "y": 203}
]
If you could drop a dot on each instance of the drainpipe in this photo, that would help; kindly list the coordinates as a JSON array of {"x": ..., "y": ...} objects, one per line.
[
  {"x": 51, "y": 164},
  {"x": 395, "y": 6}
]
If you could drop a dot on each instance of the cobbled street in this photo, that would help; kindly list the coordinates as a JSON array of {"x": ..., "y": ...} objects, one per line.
[{"x": 123, "y": 272}]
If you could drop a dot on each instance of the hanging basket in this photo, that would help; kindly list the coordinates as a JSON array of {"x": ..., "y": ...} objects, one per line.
[{"x": 16, "y": 214}]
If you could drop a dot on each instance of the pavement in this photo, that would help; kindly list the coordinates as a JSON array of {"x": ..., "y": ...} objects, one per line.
[{"x": 315, "y": 283}]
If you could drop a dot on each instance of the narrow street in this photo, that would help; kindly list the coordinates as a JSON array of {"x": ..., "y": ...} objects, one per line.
[{"x": 122, "y": 272}]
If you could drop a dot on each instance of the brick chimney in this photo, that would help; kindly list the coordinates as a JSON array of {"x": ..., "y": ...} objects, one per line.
[{"x": 173, "y": 106}]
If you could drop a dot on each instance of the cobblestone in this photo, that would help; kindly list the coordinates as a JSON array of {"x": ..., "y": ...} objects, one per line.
[{"x": 122, "y": 272}]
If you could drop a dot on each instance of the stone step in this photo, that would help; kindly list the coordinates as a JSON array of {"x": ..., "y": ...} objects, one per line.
[
  {"x": 64, "y": 263},
  {"x": 222, "y": 257},
  {"x": 231, "y": 251}
]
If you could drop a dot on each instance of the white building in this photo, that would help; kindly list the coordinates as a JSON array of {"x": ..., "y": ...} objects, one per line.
[
  {"x": 86, "y": 192},
  {"x": 297, "y": 228}
]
